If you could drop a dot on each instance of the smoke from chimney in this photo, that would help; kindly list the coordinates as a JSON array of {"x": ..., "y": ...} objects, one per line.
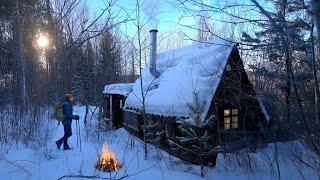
[{"x": 153, "y": 53}]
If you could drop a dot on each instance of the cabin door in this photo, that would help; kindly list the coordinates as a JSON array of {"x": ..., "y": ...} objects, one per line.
[{"x": 117, "y": 113}]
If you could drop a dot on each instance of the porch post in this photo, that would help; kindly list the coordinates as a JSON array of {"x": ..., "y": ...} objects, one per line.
[{"x": 111, "y": 110}]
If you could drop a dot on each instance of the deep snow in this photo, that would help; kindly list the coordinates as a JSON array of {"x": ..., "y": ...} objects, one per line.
[
  {"x": 51, "y": 163},
  {"x": 119, "y": 88}
]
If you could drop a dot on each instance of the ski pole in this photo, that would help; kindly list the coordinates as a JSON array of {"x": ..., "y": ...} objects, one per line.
[{"x": 79, "y": 135}]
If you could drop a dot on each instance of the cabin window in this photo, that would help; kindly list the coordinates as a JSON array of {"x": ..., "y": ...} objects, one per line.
[{"x": 231, "y": 118}]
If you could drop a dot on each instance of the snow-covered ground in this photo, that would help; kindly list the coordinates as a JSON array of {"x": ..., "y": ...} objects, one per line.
[{"x": 50, "y": 163}]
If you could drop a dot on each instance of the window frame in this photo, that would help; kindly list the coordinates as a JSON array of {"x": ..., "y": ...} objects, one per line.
[{"x": 232, "y": 116}]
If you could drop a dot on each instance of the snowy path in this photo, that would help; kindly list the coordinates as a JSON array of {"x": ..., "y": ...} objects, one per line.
[{"x": 50, "y": 163}]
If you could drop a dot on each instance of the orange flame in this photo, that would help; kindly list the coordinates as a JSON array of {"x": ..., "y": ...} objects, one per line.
[{"x": 107, "y": 161}]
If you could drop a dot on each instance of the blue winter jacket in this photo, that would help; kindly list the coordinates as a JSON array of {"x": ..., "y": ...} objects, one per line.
[{"x": 67, "y": 111}]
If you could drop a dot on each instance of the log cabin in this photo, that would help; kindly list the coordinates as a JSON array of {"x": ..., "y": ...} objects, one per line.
[{"x": 196, "y": 101}]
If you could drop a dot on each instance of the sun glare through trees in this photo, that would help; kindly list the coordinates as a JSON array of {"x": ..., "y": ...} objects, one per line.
[{"x": 42, "y": 41}]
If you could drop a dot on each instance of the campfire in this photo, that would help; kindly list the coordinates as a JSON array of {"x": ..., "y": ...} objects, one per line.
[{"x": 107, "y": 161}]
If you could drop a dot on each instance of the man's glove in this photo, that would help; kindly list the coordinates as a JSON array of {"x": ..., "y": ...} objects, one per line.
[{"x": 76, "y": 117}]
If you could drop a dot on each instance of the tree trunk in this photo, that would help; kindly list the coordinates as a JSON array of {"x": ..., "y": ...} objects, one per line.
[
  {"x": 49, "y": 53},
  {"x": 314, "y": 70},
  {"x": 86, "y": 115},
  {"x": 22, "y": 59},
  {"x": 141, "y": 83},
  {"x": 316, "y": 55},
  {"x": 132, "y": 64}
]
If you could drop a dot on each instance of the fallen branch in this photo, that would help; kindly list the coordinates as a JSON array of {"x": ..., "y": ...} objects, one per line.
[{"x": 82, "y": 176}]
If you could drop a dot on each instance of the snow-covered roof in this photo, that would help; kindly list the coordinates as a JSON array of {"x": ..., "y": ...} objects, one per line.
[
  {"x": 121, "y": 89},
  {"x": 184, "y": 72}
]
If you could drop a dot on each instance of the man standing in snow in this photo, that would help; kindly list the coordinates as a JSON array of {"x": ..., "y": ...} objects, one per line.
[{"x": 67, "y": 112}]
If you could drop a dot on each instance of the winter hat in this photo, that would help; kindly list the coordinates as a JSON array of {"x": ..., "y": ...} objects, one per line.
[{"x": 68, "y": 96}]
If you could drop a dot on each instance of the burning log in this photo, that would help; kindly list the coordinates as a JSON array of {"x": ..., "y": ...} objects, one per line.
[{"x": 107, "y": 161}]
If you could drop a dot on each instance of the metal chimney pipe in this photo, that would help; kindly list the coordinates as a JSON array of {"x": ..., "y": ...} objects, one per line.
[{"x": 153, "y": 53}]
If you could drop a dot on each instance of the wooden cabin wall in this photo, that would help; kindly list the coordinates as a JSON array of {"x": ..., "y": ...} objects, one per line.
[
  {"x": 131, "y": 120},
  {"x": 161, "y": 130},
  {"x": 235, "y": 91}
]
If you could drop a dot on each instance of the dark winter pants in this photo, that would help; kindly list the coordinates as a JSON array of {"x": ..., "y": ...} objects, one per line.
[{"x": 67, "y": 134}]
